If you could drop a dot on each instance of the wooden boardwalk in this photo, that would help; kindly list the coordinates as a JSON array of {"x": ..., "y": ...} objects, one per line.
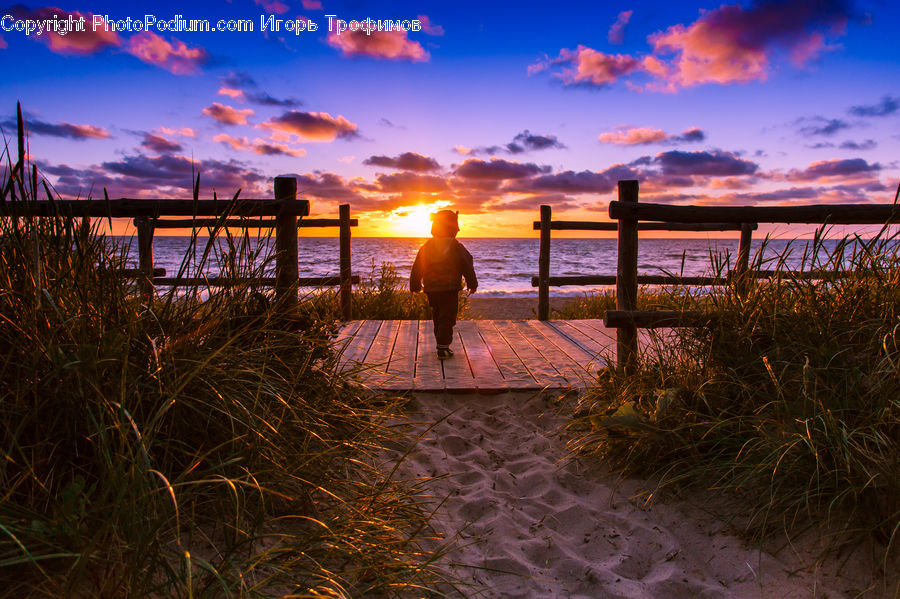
[{"x": 491, "y": 356}]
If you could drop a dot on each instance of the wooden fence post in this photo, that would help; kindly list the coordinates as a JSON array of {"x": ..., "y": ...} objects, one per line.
[
  {"x": 626, "y": 280},
  {"x": 346, "y": 283},
  {"x": 544, "y": 266},
  {"x": 742, "y": 263},
  {"x": 145, "y": 228},
  {"x": 287, "y": 267}
]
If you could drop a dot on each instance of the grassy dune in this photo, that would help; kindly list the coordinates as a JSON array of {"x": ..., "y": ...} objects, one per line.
[
  {"x": 173, "y": 447},
  {"x": 788, "y": 403}
]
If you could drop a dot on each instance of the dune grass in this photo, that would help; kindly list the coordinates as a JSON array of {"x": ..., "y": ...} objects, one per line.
[
  {"x": 789, "y": 402},
  {"x": 173, "y": 447}
]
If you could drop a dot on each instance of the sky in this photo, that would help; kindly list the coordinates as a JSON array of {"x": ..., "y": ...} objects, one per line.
[{"x": 488, "y": 108}]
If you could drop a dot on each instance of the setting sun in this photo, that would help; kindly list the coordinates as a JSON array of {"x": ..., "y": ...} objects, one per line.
[{"x": 414, "y": 221}]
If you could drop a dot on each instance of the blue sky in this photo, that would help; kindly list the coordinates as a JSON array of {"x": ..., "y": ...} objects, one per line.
[{"x": 490, "y": 108}]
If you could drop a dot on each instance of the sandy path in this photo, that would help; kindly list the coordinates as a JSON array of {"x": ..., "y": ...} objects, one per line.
[{"x": 532, "y": 523}]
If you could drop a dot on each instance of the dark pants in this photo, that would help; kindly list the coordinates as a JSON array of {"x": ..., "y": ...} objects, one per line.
[{"x": 444, "y": 305}]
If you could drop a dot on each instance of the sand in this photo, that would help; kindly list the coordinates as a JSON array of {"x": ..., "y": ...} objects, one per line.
[
  {"x": 526, "y": 519},
  {"x": 509, "y": 308}
]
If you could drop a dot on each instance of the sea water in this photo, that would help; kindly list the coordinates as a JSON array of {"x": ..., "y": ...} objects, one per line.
[{"x": 504, "y": 266}]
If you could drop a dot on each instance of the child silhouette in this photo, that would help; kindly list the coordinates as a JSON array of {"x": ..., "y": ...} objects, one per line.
[{"x": 440, "y": 266}]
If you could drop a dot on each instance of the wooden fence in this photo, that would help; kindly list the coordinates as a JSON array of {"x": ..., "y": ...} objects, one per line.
[
  {"x": 285, "y": 215},
  {"x": 627, "y": 190},
  {"x": 629, "y": 214}
]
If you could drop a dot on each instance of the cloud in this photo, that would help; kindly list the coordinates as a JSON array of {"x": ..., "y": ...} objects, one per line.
[
  {"x": 408, "y": 161},
  {"x": 523, "y": 142},
  {"x": 730, "y": 44},
  {"x": 311, "y": 4},
  {"x": 887, "y": 106},
  {"x": 228, "y": 115},
  {"x": 159, "y": 144},
  {"x": 408, "y": 182},
  {"x": 711, "y": 164},
  {"x": 497, "y": 169},
  {"x": 3, "y": 44},
  {"x": 819, "y": 126},
  {"x": 868, "y": 144},
  {"x": 174, "y": 57},
  {"x": 384, "y": 45},
  {"x": 429, "y": 27},
  {"x": 183, "y": 132},
  {"x": 733, "y": 44},
  {"x": 259, "y": 146},
  {"x": 313, "y": 126},
  {"x": 616, "y": 33},
  {"x": 166, "y": 175},
  {"x": 75, "y": 42},
  {"x": 61, "y": 129},
  {"x": 533, "y": 202},
  {"x": 274, "y": 6},
  {"x": 626, "y": 135},
  {"x": 590, "y": 67},
  {"x": 241, "y": 86},
  {"x": 575, "y": 182},
  {"x": 827, "y": 170}
]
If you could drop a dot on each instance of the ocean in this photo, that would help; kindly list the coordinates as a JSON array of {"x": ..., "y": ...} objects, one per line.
[{"x": 504, "y": 266}]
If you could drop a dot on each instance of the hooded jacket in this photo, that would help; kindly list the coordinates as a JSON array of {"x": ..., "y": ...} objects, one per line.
[{"x": 441, "y": 264}]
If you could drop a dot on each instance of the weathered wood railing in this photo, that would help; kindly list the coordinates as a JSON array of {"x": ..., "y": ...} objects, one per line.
[
  {"x": 628, "y": 213},
  {"x": 627, "y": 189},
  {"x": 285, "y": 214}
]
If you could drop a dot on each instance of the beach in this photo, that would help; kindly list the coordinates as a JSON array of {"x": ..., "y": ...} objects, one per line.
[
  {"x": 521, "y": 517},
  {"x": 510, "y": 308}
]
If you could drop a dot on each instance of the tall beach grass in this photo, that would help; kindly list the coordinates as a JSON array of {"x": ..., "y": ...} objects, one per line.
[
  {"x": 787, "y": 403},
  {"x": 173, "y": 447}
]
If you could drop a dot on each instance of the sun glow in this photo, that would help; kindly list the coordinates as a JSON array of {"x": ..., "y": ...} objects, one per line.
[{"x": 414, "y": 221}]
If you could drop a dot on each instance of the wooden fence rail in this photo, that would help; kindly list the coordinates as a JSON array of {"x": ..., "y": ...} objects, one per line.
[
  {"x": 544, "y": 281},
  {"x": 628, "y": 212},
  {"x": 285, "y": 214}
]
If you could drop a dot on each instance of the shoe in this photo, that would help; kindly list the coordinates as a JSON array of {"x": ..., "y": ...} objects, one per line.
[{"x": 444, "y": 352}]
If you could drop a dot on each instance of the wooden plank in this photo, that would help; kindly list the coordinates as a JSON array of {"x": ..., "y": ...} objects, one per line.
[
  {"x": 402, "y": 366},
  {"x": 835, "y": 214},
  {"x": 379, "y": 356},
  {"x": 515, "y": 373},
  {"x": 594, "y": 348},
  {"x": 362, "y": 341},
  {"x": 488, "y": 377},
  {"x": 345, "y": 337},
  {"x": 541, "y": 335},
  {"x": 586, "y": 361},
  {"x": 429, "y": 375},
  {"x": 457, "y": 374},
  {"x": 544, "y": 373}
]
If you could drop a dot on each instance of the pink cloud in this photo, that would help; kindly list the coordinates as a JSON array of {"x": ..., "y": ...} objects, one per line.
[
  {"x": 736, "y": 45},
  {"x": 589, "y": 66},
  {"x": 183, "y": 132},
  {"x": 228, "y": 115},
  {"x": 312, "y": 126},
  {"x": 626, "y": 135},
  {"x": 429, "y": 27},
  {"x": 616, "y": 33},
  {"x": 387, "y": 45},
  {"x": 311, "y": 4},
  {"x": 730, "y": 44},
  {"x": 632, "y": 136},
  {"x": 3, "y": 44},
  {"x": 259, "y": 146},
  {"x": 231, "y": 92},
  {"x": 175, "y": 57}
]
